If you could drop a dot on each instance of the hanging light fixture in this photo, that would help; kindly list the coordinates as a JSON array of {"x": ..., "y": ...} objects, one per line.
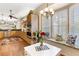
[{"x": 47, "y": 11}]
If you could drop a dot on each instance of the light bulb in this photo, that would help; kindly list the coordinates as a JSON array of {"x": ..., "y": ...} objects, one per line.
[
  {"x": 46, "y": 9},
  {"x": 41, "y": 12},
  {"x": 44, "y": 14},
  {"x": 51, "y": 10}
]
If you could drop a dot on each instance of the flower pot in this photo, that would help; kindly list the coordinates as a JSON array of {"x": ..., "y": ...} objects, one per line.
[
  {"x": 41, "y": 44},
  {"x": 41, "y": 41}
]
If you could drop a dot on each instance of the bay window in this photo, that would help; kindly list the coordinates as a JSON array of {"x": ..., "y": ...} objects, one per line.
[
  {"x": 60, "y": 23},
  {"x": 46, "y": 24}
]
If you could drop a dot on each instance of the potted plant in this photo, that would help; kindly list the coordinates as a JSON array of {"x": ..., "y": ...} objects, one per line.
[{"x": 36, "y": 35}]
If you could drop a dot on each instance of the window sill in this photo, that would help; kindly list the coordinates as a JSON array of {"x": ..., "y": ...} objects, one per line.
[{"x": 63, "y": 43}]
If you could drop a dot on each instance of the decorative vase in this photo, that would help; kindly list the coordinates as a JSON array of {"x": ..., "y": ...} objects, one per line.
[
  {"x": 42, "y": 37},
  {"x": 41, "y": 41}
]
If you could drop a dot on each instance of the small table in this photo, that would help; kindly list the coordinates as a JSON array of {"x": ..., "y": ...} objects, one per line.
[{"x": 52, "y": 51}]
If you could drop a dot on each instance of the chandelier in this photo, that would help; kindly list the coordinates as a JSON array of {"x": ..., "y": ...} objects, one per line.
[{"x": 47, "y": 11}]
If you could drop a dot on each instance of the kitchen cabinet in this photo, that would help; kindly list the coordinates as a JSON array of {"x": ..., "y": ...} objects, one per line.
[
  {"x": 1, "y": 34},
  {"x": 32, "y": 23}
]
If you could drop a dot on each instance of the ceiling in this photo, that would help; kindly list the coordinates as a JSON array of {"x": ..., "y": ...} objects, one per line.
[
  {"x": 19, "y": 9},
  {"x": 56, "y": 6}
]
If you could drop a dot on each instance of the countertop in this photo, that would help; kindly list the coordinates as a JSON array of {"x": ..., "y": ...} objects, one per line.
[{"x": 10, "y": 29}]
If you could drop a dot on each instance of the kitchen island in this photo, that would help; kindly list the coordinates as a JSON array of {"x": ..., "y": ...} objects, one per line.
[
  {"x": 15, "y": 33},
  {"x": 7, "y": 32}
]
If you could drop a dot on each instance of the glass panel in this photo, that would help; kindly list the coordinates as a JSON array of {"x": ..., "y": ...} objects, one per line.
[
  {"x": 55, "y": 25},
  {"x": 74, "y": 22},
  {"x": 60, "y": 23},
  {"x": 46, "y": 24}
]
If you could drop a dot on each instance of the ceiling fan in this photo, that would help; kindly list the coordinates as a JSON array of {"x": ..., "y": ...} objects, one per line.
[{"x": 11, "y": 15}]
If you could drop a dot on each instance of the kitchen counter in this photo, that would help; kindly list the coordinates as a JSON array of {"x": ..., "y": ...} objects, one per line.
[
  {"x": 8, "y": 32},
  {"x": 15, "y": 33},
  {"x": 10, "y": 29}
]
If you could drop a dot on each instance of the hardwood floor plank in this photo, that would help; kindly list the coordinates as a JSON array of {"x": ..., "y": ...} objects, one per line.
[{"x": 15, "y": 47}]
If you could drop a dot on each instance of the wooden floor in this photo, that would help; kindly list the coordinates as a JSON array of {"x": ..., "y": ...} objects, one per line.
[{"x": 12, "y": 47}]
